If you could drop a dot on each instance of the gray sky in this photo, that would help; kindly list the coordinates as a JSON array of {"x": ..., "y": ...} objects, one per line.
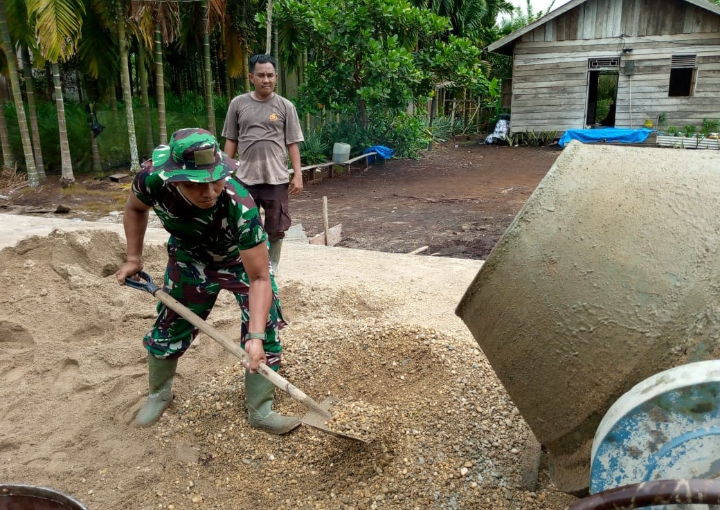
[{"x": 538, "y": 4}]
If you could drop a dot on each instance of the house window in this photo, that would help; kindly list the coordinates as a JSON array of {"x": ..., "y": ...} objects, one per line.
[{"x": 683, "y": 72}]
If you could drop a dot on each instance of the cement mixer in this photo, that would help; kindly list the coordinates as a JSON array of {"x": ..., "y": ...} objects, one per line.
[{"x": 608, "y": 275}]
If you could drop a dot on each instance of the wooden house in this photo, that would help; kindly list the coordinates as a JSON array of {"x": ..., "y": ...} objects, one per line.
[{"x": 663, "y": 56}]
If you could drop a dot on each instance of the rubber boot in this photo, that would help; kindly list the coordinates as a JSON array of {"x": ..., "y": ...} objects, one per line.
[
  {"x": 161, "y": 373},
  {"x": 274, "y": 254},
  {"x": 260, "y": 395}
]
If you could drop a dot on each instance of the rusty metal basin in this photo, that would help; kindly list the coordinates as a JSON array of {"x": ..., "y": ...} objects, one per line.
[{"x": 609, "y": 274}]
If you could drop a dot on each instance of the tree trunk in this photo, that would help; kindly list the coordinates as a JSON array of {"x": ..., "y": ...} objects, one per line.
[
  {"x": 149, "y": 143},
  {"x": 207, "y": 68},
  {"x": 303, "y": 68},
  {"x": 228, "y": 84},
  {"x": 67, "y": 178},
  {"x": 278, "y": 69},
  {"x": 246, "y": 65},
  {"x": 8, "y": 160},
  {"x": 160, "y": 85},
  {"x": 96, "y": 164},
  {"x": 268, "y": 28},
  {"x": 127, "y": 96},
  {"x": 32, "y": 176},
  {"x": 32, "y": 113},
  {"x": 112, "y": 99}
]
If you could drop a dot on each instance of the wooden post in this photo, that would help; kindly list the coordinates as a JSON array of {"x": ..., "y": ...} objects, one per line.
[{"x": 325, "y": 220}]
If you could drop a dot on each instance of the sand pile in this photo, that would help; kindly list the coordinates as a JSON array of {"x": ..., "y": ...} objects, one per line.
[{"x": 73, "y": 374}]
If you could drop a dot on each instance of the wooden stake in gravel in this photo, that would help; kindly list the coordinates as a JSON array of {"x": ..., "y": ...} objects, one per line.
[{"x": 326, "y": 223}]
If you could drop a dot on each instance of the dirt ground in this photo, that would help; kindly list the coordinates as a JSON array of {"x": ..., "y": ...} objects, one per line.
[
  {"x": 457, "y": 200},
  {"x": 446, "y": 435}
]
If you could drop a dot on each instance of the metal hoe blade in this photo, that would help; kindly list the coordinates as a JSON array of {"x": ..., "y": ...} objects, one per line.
[{"x": 317, "y": 421}]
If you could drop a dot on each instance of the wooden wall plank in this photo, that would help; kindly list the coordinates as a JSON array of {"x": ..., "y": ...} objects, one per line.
[
  {"x": 600, "y": 18},
  {"x": 550, "y": 30},
  {"x": 636, "y": 18},
  {"x": 590, "y": 17},
  {"x": 628, "y": 15}
]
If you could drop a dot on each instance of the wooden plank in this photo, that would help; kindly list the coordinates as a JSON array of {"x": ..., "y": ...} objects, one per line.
[
  {"x": 334, "y": 237},
  {"x": 590, "y": 17},
  {"x": 690, "y": 38},
  {"x": 576, "y": 65},
  {"x": 612, "y": 24},
  {"x": 559, "y": 29},
  {"x": 636, "y": 18},
  {"x": 677, "y": 24},
  {"x": 119, "y": 177},
  {"x": 550, "y": 31},
  {"x": 559, "y": 87},
  {"x": 556, "y": 102},
  {"x": 580, "y": 29},
  {"x": 668, "y": 43},
  {"x": 600, "y": 18},
  {"x": 571, "y": 24},
  {"x": 628, "y": 15},
  {"x": 419, "y": 250},
  {"x": 558, "y": 75}
]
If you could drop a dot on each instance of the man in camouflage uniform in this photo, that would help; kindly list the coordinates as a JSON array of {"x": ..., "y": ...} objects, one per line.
[{"x": 216, "y": 242}]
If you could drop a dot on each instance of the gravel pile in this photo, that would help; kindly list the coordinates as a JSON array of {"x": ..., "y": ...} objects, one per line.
[
  {"x": 444, "y": 432},
  {"x": 445, "y": 435}
]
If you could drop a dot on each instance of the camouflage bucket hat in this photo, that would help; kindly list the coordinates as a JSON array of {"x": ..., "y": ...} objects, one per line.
[{"x": 193, "y": 155}]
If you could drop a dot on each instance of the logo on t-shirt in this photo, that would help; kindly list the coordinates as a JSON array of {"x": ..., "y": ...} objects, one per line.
[{"x": 273, "y": 117}]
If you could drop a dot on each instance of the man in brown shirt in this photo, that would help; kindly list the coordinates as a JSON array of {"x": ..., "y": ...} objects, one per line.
[{"x": 263, "y": 127}]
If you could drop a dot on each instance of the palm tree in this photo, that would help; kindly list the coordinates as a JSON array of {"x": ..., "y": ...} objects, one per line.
[
  {"x": 209, "y": 102},
  {"x": 142, "y": 70},
  {"x": 57, "y": 28},
  {"x": 22, "y": 32},
  {"x": 8, "y": 159},
  {"x": 127, "y": 92},
  {"x": 32, "y": 176},
  {"x": 157, "y": 22},
  {"x": 32, "y": 112},
  {"x": 99, "y": 57},
  {"x": 268, "y": 27}
]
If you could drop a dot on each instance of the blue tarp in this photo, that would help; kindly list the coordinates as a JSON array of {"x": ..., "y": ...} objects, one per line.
[
  {"x": 605, "y": 135},
  {"x": 382, "y": 151}
]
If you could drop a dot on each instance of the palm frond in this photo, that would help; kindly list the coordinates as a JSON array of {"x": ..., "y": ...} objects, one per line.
[
  {"x": 58, "y": 25},
  {"x": 233, "y": 51},
  {"x": 97, "y": 49},
  {"x": 19, "y": 25}
]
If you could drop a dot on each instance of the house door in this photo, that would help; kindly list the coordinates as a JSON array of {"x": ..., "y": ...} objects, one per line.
[{"x": 603, "y": 77}]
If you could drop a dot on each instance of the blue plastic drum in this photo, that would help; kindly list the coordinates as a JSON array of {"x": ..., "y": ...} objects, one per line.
[{"x": 666, "y": 427}]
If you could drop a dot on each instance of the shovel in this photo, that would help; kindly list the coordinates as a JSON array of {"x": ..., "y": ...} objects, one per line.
[{"x": 317, "y": 415}]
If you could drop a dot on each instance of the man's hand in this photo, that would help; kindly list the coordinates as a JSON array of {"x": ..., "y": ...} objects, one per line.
[
  {"x": 296, "y": 184},
  {"x": 128, "y": 269},
  {"x": 254, "y": 348}
]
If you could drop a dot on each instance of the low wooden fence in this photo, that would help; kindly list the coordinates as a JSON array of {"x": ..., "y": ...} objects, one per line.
[{"x": 312, "y": 170}]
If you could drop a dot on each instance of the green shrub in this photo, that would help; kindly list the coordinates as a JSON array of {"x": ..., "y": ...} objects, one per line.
[
  {"x": 314, "y": 149},
  {"x": 710, "y": 126}
]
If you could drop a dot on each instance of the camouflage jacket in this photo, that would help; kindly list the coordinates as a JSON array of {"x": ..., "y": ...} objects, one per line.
[{"x": 214, "y": 235}]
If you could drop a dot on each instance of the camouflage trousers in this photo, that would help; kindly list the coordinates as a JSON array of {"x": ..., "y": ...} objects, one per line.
[{"x": 197, "y": 286}]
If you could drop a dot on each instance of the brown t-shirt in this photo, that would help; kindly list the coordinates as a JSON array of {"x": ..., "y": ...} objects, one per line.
[{"x": 263, "y": 130}]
